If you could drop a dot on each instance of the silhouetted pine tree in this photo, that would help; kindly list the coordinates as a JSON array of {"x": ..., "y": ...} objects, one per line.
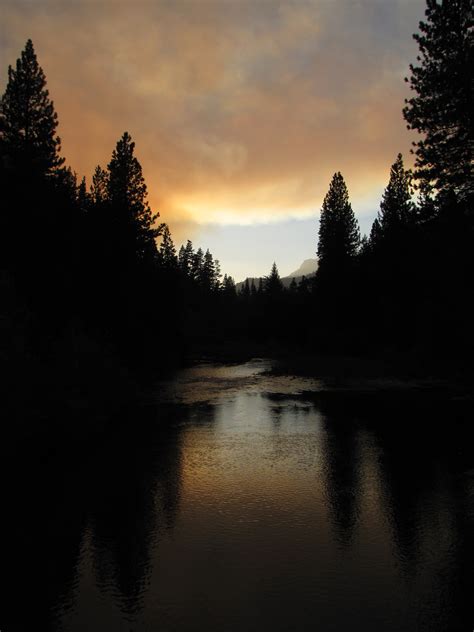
[
  {"x": 197, "y": 263},
  {"x": 185, "y": 258},
  {"x": 37, "y": 224},
  {"x": 127, "y": 193},
  {"x": 443, "y": 108},
  {"x": 99, "y": 189},
  {"x": 208, "y": 272},
  {"x": 217, "y": 275},
  {"x": 338, "y": 229},
  {"x": 397, "y": 210},
  {"x": 334, "y": 284},
  {"x": 245, "y": 290},
  {"x": 375, "y": 236},
  {"x": 28, "y": 120},
  {"x": 228, "y": 286},
  {"x": 272, "y": 283},
  {"x": 83, "y": 198},
  {"x": 167, "y": 250}
]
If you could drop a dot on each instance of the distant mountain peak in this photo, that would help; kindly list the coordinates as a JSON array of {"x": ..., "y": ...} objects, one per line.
[{"x": 309, "y": 266}]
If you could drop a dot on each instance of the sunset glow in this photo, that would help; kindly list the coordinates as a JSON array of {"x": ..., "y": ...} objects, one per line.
[{"x": 241, "y": 111}]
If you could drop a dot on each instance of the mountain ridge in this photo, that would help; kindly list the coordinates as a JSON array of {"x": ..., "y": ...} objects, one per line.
[{"x": 307, "y": 268}]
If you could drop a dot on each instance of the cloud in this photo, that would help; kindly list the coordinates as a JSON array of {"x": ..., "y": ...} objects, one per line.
[{"x": 241, "y": 111}]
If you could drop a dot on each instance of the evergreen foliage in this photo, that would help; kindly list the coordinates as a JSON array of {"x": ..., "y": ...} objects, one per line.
[
  {"x": 272, "y": 283},
  {"x": 185, "y": 258},
  {"x": 90, "y": 257},
  {"x": 197, "y": 263},
  {"x": 397, "y": 210},
  {"x": 99, "y": 190},
  {"x": 167, "y": 251},
  {"x": 338, "y": 228},
  {"x": 28, "y": 120},
  {"x": 443, "y": 108},
  {"x": 127, "y": 193}
]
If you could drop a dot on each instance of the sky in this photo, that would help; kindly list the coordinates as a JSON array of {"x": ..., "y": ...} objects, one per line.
[{"x": 241, "y": 110}]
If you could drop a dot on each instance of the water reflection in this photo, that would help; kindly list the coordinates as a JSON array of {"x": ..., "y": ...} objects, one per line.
[
  {"x": 342, "y": 475},
  {"x": 243, "y": 501}
]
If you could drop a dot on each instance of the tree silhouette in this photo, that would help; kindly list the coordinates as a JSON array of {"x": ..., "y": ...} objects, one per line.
[
  {"x": 397, "y": 211},
  {"x": 245, "y": 289},
  {"x": 185, "y": 258},
  {"x": 167, "y": 251},
  {"x": 272, "y": 283},
  {"x": 28, "y": 120},
  {"x": 228, "y": 287},
  {"x": 208, "y": 272},
  {"x": 100, "y": 186},
  {"x": 83, "y": 197},
  {"x": 127, "y": 193},
  {"x": 197, "y": 263},
  {"x": 443, "y": 109},
  {"x": 338, "y": 228}
]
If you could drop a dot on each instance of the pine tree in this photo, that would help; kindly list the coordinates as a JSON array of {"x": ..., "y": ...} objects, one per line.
[
  {"x": 217, "y": 274},
  {"x": 167, "y": 250},
  {"x": 83, "y": 197},
  {"x": 375, "y": 236},
  {"x": 272, "y": 283},
  {"x": 28, "y": 120},
  {"x": 228, "y": 286},
  {"x": 196, "y": 265},
  {"x": 397, "y": 211},
  {"x": 99, "y": 190},
  {"x": 338, "y": 229},
  {"x": 245, "y": 290},
  {"x": 127, "y": 193},
  {"x": 185, "y": 258},
  {"x": 208, "y": 272},
  {"x": 443, "y": 108}
]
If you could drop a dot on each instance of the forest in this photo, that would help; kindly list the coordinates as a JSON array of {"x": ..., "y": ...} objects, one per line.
[{"x": 94, "y": 291}]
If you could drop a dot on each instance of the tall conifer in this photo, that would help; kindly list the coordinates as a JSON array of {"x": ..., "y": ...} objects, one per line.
[
  {"x": 339, "y": 236},
  {"x": 28, "y": 120},
  {"x": 443, "y": 108}
]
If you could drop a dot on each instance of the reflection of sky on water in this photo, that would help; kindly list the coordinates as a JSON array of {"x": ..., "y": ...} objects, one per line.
[
  {"x": 243, "y": 505},
  {"x": 211, "y": 382}
]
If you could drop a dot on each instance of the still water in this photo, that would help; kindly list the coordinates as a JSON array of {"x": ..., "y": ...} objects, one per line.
[{"x": 234, "y": 499}]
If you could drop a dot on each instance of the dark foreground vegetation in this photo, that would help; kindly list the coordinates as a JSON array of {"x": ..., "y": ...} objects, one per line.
[{"x": 95, "y": 298}]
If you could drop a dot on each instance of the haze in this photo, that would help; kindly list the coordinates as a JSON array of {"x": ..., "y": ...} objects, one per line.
[{"x": 241, "y": 111}]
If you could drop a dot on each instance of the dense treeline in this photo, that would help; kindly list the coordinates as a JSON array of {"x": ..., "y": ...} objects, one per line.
[
  {"x": 91, "y": 281},
  {"x": 408, "y": 285}
]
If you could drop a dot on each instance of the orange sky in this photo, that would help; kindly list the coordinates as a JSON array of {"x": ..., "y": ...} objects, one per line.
[{"x": 241, "y": 111}]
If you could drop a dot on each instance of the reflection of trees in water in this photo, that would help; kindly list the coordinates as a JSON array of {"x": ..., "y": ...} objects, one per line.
[
  {"x": 40, "y": 537},
  {"x": 341, "y": 471},
  {"x": 424, "y": 456},
  {"x": 126, "y": 489},
  {"x": 422, "y": 446},
  {"x": 135, "y": 497}
]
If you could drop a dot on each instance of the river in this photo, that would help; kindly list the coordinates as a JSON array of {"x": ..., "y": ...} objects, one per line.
[{"x": 237, "y": 499}]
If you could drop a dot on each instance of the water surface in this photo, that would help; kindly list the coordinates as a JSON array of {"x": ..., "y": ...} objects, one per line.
[{"x": 233, "y": 499}]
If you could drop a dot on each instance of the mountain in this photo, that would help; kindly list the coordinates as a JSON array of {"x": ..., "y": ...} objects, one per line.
[{"x": 307, "y": 268}]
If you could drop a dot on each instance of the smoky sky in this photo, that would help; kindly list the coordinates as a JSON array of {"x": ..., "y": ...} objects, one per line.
[{"x": 241, "y": 111}]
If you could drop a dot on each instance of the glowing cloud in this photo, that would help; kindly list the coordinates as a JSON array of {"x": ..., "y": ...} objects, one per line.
[{"x": 241, "y": 111}]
